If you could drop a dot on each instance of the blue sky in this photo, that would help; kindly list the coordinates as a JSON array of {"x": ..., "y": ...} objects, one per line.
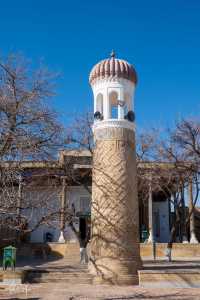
[{"x": 160, "y": 38}]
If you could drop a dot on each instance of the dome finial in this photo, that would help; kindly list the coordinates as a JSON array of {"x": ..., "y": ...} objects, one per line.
[{"x": 112, "y": 54}]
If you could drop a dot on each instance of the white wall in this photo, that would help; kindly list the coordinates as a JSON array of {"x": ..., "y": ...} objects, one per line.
[
  {"x": 48, "y": 200},
  {"x": 42, "y": 202},
  {"x": 74, "y": 195},
  {"x": 38, "y": 235}
]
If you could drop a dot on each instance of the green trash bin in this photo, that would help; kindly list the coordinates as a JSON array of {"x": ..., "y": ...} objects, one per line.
[{"x": 9, "y": 257}]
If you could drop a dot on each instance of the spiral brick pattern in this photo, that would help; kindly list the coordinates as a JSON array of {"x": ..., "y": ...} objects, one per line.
[{"x": 115, "y": 254}]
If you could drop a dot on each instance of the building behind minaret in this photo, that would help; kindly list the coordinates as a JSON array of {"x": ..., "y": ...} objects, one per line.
[{"x": 115, "y": 252}]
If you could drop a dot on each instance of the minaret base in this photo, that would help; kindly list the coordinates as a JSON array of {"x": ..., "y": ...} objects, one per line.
[
  {"x": 115, "y": 272},
  {"x": 118, "y": 280}
]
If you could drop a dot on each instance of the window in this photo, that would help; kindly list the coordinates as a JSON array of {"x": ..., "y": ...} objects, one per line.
[
  {"x": 99, "y": 103},
  {"x": 114, "y": 112},
  {"x": 113, "y": 96}
]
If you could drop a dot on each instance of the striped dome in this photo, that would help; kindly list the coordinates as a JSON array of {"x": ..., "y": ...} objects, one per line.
[{"x": 113, "y": 67}]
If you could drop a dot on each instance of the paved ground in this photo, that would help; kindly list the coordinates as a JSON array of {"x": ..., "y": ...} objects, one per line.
[
  {"x": 64, "y": 264},
  {"x": 75, "y": 292},
  {"x": 62, "y": 291}
]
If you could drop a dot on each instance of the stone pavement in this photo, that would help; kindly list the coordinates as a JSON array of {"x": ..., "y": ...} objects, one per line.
[
  {"x": 64, "y": 290},
  {"x": 83, "y": 292}
]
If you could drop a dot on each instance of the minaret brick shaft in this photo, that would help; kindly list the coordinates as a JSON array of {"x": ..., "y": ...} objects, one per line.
[{"x": 115, "y": 252}]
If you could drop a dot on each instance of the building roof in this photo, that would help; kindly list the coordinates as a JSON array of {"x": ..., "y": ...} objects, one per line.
[{"x": 113, "y": 68}]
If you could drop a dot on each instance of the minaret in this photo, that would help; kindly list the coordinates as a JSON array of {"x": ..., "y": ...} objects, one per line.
[{"x": 115, "y": 253}]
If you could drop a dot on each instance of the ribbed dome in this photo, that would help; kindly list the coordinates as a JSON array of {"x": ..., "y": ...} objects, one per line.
[{"x": 113, "y": 67}]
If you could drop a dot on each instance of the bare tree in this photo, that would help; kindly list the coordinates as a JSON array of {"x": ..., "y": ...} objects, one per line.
[
  {"x": 172, "y": 158},
  {"x": 29, "y": 128},
  {"x": 186, "y": 137}
]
